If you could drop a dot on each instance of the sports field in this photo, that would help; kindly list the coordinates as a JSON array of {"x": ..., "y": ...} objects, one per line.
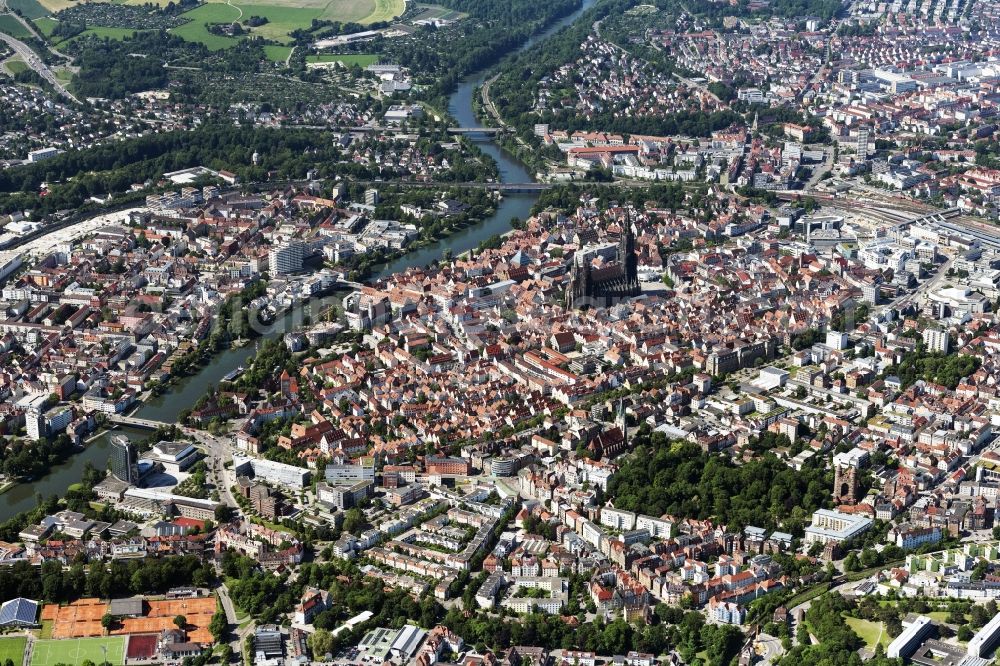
[
  {"x": 78, "y": 650},
  {"x": 13, "y": 649}
]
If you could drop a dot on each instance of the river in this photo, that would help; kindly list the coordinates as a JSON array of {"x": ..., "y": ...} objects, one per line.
[{"x": 185, "y": 392}]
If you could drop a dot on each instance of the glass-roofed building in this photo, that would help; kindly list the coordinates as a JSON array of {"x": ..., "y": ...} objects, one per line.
[{"x": 19, "y": 612}]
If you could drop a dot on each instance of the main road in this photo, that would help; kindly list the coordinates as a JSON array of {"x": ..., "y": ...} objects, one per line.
[{"x": 34, "y": 62}]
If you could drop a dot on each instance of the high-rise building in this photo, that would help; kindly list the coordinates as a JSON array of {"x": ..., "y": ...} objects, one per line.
[
  {"x": 286, "y": 258},
  {"x": 124, "y": 460},
  {"x": 936, "y": 340},
  {"x": 862, "y": 144},
  {"x": 34, "y": 424}
]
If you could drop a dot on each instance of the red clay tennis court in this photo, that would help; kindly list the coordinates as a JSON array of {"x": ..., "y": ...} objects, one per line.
[
  {"x": 141, "y": 646},
  {"x": 80, "y": 619},
  {"x": 198, "y": 613}
]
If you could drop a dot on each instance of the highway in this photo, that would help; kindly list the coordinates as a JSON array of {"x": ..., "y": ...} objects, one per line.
[{"x": 35, "y": 63}]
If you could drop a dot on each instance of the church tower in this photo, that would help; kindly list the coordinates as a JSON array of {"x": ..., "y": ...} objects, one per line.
[
  {"x": 629, "y": 258},
  {"x": 845, "y": 485}
]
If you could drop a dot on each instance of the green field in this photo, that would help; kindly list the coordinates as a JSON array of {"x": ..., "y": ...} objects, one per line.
[
  {"x": 870, "y": 632},
  {"x": 11, "y": 26},
  {"x": 45, "y": 25},
  {"x": 13, "y": 649},
  {"x": 78, "y": 650},
  {"x": 342, "y": 10},
  {"x": 431, "y": 12},
  {"x": 386, "y": 10},
  {"x": 280, "y": 21},
  {"x": 277, "y": 53},
  {"x": 360, "y": 59},
  {"x": 283, "y": 17},
  {"x": 30, "y": 9},
  {"x": 200, "y": 17},
  {"x": 112, "y": 33},
  {"x": 16, "y": 66}
]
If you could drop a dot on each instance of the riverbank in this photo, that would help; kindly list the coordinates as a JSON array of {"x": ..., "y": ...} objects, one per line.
[
  {"x": 19, "y": 497},
  {"x": 182, "y": 392}
]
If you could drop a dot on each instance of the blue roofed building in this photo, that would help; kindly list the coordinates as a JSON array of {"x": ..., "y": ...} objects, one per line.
[{"x": 19, "y": 612}]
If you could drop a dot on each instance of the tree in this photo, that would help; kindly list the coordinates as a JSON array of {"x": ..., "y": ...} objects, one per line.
[
  {"x": 322, "y": 643},
  {"x": 223, "y": 513},
  {"x": 107, "y": 621},
  {"x": 218, "y": 625},
  {"x": 180, "y": 621},
  {"x": 851, "y": 562}
]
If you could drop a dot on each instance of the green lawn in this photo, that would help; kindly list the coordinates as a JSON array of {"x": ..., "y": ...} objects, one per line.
[
  {"x": 277, "y": 53},
  {"x": 45, "y": 25},
  {"x": 46, "y": 630},
  {"x": 13, "y": 649},
  {"x": 360, "y": 59},
  {"x": 11, "y": 26},
  {"x": 16, "y": 66},
  {"x": 870, "y": 632},
  {"x": 941, "y": 616},
  {"x": 63, "y": 75},
  {"x": 78, "y": 650},
  {"x": 113, "y": 33}
]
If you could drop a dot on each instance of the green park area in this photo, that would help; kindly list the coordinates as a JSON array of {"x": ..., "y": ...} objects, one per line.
[{"x": 872, "y": 633}]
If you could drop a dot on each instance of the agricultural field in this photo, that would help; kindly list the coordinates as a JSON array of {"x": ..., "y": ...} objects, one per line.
[
  {"x": 385, "y": 10},
  {"x": 200, "y": 18},
  {"x": 53, "y": 6},
  {"x": 359, "y": 59},
  {"x": 30, "y": 9},
  {"x": 280, "y": 21},
  {"x": 13, "y": 649},
  {"x": 437, "y": 13},
  {"x": 78, "y": 650},
  {"x": 283, "y": 17},
  {"x": 11, "y": 26}
]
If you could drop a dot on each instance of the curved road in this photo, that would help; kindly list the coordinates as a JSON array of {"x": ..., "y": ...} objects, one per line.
[{"x": 36, "y": 63}]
